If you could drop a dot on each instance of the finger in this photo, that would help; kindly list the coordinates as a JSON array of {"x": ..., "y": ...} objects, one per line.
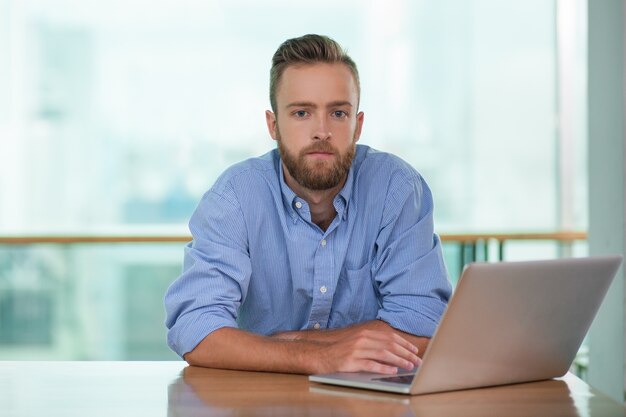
[
  {"x": 405, "y": 343},
  {"x": 380, "y": 342},
  {"x": 396, "y": 338},
  {"x": 400, "y": 350},
  {"x": 390, "y": 358},
  {"x": 382, "y": 356},
  {"x": 377, "y": 368},
  {"x": 410, "y": 348}
]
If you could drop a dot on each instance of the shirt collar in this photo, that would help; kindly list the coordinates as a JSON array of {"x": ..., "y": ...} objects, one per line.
[
  {"x": 289, "y": 196},
  {"x": 342, "y": 199}
]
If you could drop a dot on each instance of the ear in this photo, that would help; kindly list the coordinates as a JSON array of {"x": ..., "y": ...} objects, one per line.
[
  {"x": 270, "y": 119},
  {"x": 359, "y": 125}
]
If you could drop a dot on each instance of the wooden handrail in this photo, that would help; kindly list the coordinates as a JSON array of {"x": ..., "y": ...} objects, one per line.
[
  {"x": 563, "y": 236},
  {"x": 68, "y": 240}
]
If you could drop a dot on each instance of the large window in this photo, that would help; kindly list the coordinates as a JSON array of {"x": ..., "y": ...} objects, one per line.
[{"x": 118, "y": 115}]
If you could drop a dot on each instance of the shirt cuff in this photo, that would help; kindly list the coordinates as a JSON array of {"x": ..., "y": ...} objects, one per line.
[
  {"x": 422, "y": 323},
  {"x": 188, "y": 332}
]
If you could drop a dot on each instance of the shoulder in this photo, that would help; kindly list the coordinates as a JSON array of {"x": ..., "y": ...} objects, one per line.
[
  {"x": 248, "y": 176},
  {"x": 383, "y": 169}
]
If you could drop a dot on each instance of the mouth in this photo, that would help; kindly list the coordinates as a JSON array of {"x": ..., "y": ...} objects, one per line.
[{"x": 321, "y": 154}]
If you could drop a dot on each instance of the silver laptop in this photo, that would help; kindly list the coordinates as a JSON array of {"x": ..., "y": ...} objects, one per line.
[{"x": 506, "y": 323}]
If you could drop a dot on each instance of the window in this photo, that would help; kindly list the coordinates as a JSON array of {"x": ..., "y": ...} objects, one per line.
[{"x": 117, "y": 116}]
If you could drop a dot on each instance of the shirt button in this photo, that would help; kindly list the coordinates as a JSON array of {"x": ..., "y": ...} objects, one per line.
[
  {"x": 323, "y": 242},
  {"x": 323, "y": 289},
  {"x": 316, "y": 326},
  {"x": 298, "y": 204}
]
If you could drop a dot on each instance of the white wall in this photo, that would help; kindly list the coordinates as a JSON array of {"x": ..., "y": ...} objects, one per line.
[{"x": 606, "y": 185}]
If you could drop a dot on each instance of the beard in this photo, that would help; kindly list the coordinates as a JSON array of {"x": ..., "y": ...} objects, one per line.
[{"x": 321, "y": 174}]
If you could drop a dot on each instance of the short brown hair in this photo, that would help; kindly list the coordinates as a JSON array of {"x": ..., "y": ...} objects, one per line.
[{"x": 308, "y": 49}]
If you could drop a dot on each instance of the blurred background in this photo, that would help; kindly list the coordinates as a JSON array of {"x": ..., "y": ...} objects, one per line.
[{"x": 116, "y": 116}]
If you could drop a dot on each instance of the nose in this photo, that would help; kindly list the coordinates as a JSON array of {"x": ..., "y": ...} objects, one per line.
[{"x": 322, "y": 131}]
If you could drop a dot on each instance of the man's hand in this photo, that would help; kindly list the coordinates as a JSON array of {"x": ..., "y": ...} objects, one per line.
[
  {"x": 369, "y": 350},
  {"x": 372, "y": 346}
]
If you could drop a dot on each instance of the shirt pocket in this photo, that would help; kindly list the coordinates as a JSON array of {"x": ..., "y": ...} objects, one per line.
[{"x": 357, "y": 299}]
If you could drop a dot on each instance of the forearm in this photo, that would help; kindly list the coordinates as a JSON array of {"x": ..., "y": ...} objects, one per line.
[
  {"x": 362, "y": 349},
  {"x": 230, "y": 348},
  {"x": 334, "y": 335}
]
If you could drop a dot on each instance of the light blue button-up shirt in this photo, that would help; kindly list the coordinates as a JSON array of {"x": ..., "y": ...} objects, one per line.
[{"x": 258, "y": 262}]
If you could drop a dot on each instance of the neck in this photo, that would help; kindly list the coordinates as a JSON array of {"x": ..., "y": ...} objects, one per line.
[{"x": 320, "y": 201}]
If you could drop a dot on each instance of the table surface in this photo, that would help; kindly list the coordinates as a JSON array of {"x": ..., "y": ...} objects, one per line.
[{"x": 118, "y": 389}]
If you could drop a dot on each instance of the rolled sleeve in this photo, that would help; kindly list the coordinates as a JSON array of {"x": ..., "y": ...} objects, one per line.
[
  {"x": 409, "y": 269},
  {"x": 215, "y": 276}
]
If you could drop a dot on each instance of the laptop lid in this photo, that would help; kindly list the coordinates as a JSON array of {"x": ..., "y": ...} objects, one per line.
[{"x": 506, "y": 323}]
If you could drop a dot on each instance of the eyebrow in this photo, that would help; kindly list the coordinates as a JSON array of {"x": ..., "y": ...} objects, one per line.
[{"x": 337, "y": 103}]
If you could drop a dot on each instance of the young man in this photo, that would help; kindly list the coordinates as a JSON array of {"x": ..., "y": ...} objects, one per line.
[{"x": 319, "y": 256}]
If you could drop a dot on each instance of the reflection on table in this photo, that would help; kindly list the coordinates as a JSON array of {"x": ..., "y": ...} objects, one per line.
[
  {"x": 201, "y": 391},
  {"x": 119, "y": 389}
]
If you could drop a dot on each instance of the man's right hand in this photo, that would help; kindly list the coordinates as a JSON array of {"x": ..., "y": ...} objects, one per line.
[{"x": 368, "y": 350}]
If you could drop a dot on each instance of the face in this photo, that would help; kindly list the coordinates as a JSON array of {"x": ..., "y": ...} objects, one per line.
[{"x": 317, "y": 124}]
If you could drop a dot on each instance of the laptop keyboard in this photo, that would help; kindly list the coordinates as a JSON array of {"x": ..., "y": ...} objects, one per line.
[{"x": 398, "y": 379}]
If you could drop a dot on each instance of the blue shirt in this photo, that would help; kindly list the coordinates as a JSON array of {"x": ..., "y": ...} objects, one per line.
[{"x": 258, "y": 262}]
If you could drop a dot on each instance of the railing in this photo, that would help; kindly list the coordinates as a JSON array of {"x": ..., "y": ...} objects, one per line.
[
  {"x": 78, "y": 239},
  {"x": 471, "y": 244},
  {"x": 470, "y": 241}
]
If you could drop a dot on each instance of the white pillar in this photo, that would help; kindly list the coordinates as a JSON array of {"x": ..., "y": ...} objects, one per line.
[{"x": 606, "y": 185}]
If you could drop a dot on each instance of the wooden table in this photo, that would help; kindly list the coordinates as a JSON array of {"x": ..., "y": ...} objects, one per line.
[{"x": 118, "y": 389}]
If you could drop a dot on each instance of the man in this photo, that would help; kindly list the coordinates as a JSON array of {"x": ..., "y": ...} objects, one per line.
[{"x": 319, "y": 256}]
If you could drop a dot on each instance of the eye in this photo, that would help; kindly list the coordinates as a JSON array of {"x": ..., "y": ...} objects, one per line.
[
  {"x": 301, "y": 113},
  {"x": 339, "y": 114}
]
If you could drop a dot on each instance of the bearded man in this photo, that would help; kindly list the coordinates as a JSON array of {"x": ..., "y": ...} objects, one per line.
[{"x": 319, "y": 256}]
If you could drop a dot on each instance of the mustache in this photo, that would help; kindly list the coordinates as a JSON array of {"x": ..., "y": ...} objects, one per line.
[{"x": 321, "y": 146}]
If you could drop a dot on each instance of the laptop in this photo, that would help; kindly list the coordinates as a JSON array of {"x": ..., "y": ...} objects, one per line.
[{"x": 506, "y": 323}]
